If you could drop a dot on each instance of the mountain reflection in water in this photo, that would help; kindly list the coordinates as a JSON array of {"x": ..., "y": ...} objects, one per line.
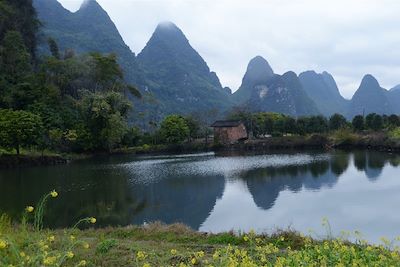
[{"x": 217, "y": 193}]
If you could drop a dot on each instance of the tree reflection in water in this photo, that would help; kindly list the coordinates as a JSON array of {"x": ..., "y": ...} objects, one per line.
[{"x": 125, "y": 190}]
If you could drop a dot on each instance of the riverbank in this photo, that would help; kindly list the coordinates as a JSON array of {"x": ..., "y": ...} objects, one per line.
[
  {"x": 346, "y": 140},
  {"x": 337, "y": 140},
  {"x": 176, "y": 245},
  {"x": 13, "y": 161}
]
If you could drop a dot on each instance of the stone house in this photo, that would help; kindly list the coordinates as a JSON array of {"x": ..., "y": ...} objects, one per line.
[{"x": 229, "y": 132}]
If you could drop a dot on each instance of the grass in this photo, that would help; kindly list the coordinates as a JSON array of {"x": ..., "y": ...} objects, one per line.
[{"x": 176, "y": 245}]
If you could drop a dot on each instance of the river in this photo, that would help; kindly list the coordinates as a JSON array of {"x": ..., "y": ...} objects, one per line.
[{"x": 356, "y": 190}]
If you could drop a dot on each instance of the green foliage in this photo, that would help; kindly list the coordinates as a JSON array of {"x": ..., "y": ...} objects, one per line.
[
  {"x": 31, "y": 245},
  {"x": 374, "y": 122},
  {"x": 104, "y": 246},
  {"x": 55, "y": 52},
  {"x": 106, "y": 71},
  {"x": 394, "y": 120},
  {"x": 19, "y": 129},
  {"x": 19, "y": 16},
  {"x": 358, "y": 123},
  {"x": 194, "y": 126},
  {"x": 15, "y": 58},
  {"x": 174, "y": 129},
  {"x": 344, "y": 136},
  {"x": 395, "y": 133},
  {"x": 103, "y": 116},
  {"x": 337, "y": 121}
]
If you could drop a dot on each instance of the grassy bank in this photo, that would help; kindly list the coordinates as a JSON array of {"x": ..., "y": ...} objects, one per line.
[{"x": 176, "y": 245}]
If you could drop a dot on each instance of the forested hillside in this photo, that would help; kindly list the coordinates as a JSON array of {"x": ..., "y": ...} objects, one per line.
[{"x": 62, "y": 101}]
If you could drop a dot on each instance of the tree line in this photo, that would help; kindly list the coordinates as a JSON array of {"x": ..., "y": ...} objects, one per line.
[{"x": 275, "y": 124}]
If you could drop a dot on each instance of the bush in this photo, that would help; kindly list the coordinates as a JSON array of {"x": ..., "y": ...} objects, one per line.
[{"x": 344, "y": 136}]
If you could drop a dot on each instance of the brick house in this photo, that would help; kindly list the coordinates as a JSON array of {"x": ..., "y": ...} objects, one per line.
[{"x": 229, "y": 132}]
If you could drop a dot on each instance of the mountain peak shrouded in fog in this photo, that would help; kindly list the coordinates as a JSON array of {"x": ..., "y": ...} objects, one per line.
[{"x": 180, "y": 79}]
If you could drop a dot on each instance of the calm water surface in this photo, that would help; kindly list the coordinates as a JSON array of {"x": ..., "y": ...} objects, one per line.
[{"x": 356, "y": 191}]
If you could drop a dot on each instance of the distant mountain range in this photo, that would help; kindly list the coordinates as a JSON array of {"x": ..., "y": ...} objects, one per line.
[{"x": 174, "y": 78}]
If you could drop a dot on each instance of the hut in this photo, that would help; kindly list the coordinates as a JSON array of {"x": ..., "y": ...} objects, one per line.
[{"x": 229, "y": 132}]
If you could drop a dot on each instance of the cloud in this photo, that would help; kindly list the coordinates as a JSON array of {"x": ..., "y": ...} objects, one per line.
[{"x": 347, "y": 38}]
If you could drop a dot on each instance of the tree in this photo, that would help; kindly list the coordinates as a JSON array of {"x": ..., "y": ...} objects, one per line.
[
  {"x": 317, "y": 124},
  {"x": 55, "y": 52},
  {"x": 358, "y": 123},
  {"x": 103, "y": 123},
  {"x": 194, "y": 126},
  {"x": 107, "y": 74},
  {"x": 290, "y": 125},
  {"x": 174, "y": 129},
  {"x": 15, "y": 59},
  {"x": 368, "y": 120},
  {"x": 377, "y": 123},
  {"x": 20, "y": 16},
  {"x": 337, "y": 121},
  {"x": 19, "y": 129},
  {"x": 394, "y": 120}
]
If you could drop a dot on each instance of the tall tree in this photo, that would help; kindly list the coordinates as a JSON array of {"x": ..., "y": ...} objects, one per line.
[
  {"x": 337, "y": 121},
  {"x": 358, "y": 123}
]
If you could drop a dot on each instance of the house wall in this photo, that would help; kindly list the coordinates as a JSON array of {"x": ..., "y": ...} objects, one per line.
[{"x": 229, "y": 135}]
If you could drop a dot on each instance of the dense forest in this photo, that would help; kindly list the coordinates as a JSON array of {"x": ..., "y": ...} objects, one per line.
[{"x": 60, "y": 102}]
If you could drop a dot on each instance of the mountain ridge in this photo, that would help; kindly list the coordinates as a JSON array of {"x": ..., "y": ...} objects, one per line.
[
  {"x": 365, "y": 99},
  {"x": 176, "y": 79}
]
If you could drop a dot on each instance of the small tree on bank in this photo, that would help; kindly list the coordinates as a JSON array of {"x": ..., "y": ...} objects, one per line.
[
  {"x": 19, "y": 129},
  {"x": 174, "y": 129}
]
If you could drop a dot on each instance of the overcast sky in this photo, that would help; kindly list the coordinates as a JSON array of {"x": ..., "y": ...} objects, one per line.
[{"x": 347, "y": 38}]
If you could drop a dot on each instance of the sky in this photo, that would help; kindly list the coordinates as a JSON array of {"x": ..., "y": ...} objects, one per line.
[{"x": 347, "y": 38}]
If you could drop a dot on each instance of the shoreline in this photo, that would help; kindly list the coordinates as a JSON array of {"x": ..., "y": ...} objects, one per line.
[
  {"x": 374, "y": 142},
  {"x": 158, "y": 244}
]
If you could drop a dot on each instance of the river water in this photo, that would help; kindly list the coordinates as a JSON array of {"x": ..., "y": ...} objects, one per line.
[{"x": 356, "y": 190}]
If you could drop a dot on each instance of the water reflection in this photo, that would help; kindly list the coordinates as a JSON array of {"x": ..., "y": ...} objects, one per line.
[{"x": 208, "y": 192}]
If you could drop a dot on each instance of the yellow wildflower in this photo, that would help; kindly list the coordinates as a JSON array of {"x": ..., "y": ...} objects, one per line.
[
  {"x": 3, "y": 244},
  {"x": 54, "y": 193},
  {"x": 51, "y": 238},
  {"x": 146, "y": 265},
  {"x": 72, "y": 237},
  {"x": 200, "y": 254},
  {"x": 29, "y": 209},
  {"x": 141, "y": 255},
  {"x": 86, "y": 246},
  {"x": 49, "y": 260},
  {"x": 194, "y": 261},
  {"x": 70, "y": 254},
  {"x": 173, "y": 251},
  {"x": 246, "y": 238},
  {"x": 93, "y": 220},
  {"x": 22, "y": 254},
  {"x": 82, "y": 263}
]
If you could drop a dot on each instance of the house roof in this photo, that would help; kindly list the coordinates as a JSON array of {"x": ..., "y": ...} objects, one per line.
[{"x": 230, "y": 123}]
